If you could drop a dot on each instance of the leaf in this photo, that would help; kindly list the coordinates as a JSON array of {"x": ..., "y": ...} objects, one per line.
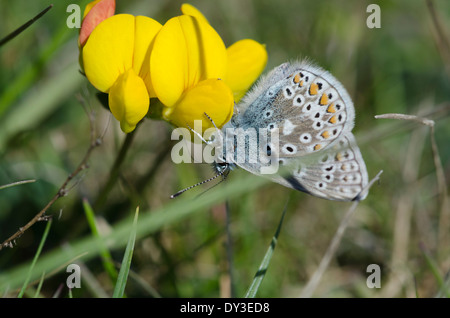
[
  {"x": 260, "y": 274},
  {"x": 38, "y": 252},
  {"x": 126, "y": 262},
  {"x": 107, "y": 260}
]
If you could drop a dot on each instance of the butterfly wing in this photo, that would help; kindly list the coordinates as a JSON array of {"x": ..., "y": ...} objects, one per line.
[
  {"x": 314, "y": 116},
  {"x": 339, "y": 173}
]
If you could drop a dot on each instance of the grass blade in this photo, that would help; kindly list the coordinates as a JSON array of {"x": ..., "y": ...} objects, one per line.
[
  {"x": 107, "y": 260},
  {"x": 126, "y": 262},
  {"x": 260, "y": 274},
  {"x": 9, "y": 185},
  {"x": 38, "y": 289},
  {"x": 87, "y": 247},
  {"x": 444, "y": 291},
  {"x": 38, "y": 252},
  {"x": 23, "y": 27}
]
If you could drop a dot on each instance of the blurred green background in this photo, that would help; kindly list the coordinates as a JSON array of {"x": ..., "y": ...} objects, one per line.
[{"x": 181, "y": 248}]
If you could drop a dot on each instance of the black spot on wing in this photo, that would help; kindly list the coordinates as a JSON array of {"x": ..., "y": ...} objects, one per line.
[{"x": 295, "y": 184}]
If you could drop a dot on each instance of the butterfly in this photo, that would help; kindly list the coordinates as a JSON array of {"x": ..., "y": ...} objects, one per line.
[{"x": 313, "y": 116}]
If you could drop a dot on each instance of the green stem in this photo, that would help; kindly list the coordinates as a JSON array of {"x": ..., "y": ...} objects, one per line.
[{"x": 115, "y": 171}]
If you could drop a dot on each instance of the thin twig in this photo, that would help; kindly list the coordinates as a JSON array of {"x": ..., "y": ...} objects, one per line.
[
  {"x": 24, "y": 26},
  {"x": 332, "y": 248},
  {"x": 62, "y": 191}
]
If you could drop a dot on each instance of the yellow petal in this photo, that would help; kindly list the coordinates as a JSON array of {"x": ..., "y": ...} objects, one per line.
[
  {"x": 89, "y": 7},
  {"x": 246, "y": 61},
  {"x": 146, "y": 30},
  {"x": 129, "y": 100},
  {"x": 189, "y": 9},
  {"x": 109, "y": 51},
  {"x": 94, "y": 13},
  {"x": 211, "y": 96},
  {"x": 185, "y": 51}
]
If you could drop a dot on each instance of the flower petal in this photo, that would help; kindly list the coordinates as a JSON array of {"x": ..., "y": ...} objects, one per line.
[
  {"x": 189, "y": 9},
  {"x": 211, "y": 96},
  {"x": 185, "y": 51},
  {"x": 128, "y": 100},
  {"x": 246, "y": 61},
  {"x": 94, "y": 13},
  {"x": 109, "y": 51},
  {"x": 146, "y": 30}
]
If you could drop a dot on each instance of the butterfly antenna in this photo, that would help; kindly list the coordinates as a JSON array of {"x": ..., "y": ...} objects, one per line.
[
  {"x": 221, "y": 173},
  {"x": 197, "y": 133},
  {"x": 212, "y": 121},
  {"x": 223, "y": 179}
]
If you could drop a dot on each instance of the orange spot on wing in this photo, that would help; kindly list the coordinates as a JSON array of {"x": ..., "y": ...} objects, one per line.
[
  {"x": 323, "y": 99},
  {"x": 301, "y": 83},
  {"x": 313, "y": 89},
  {"x": 317, "y": 147},
  {"x": 325, "y": 134},
  {"x": 333, "y": 120},
  {"x": 331, "y": 108},
  {"x": 296, "y": 78}
]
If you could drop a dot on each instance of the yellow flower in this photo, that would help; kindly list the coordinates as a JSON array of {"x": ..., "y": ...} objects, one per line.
[
  {"x": 184, "y": 64},
  {"x": 246, "y": 59},
  {"x": 193, "y": 73},
  {"x": 116, "y": 61}
]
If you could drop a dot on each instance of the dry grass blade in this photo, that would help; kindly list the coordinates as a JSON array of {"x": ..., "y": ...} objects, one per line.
[
  {"x": 444, "y": 219},
  {"x": 13, "y": 184}
]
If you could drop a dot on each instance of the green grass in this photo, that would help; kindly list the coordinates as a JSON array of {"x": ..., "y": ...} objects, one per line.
[
  {"x": 119, "y": 290},
  {"x": 181, "y": 246},
  {"x": 33, "y": 263}
]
